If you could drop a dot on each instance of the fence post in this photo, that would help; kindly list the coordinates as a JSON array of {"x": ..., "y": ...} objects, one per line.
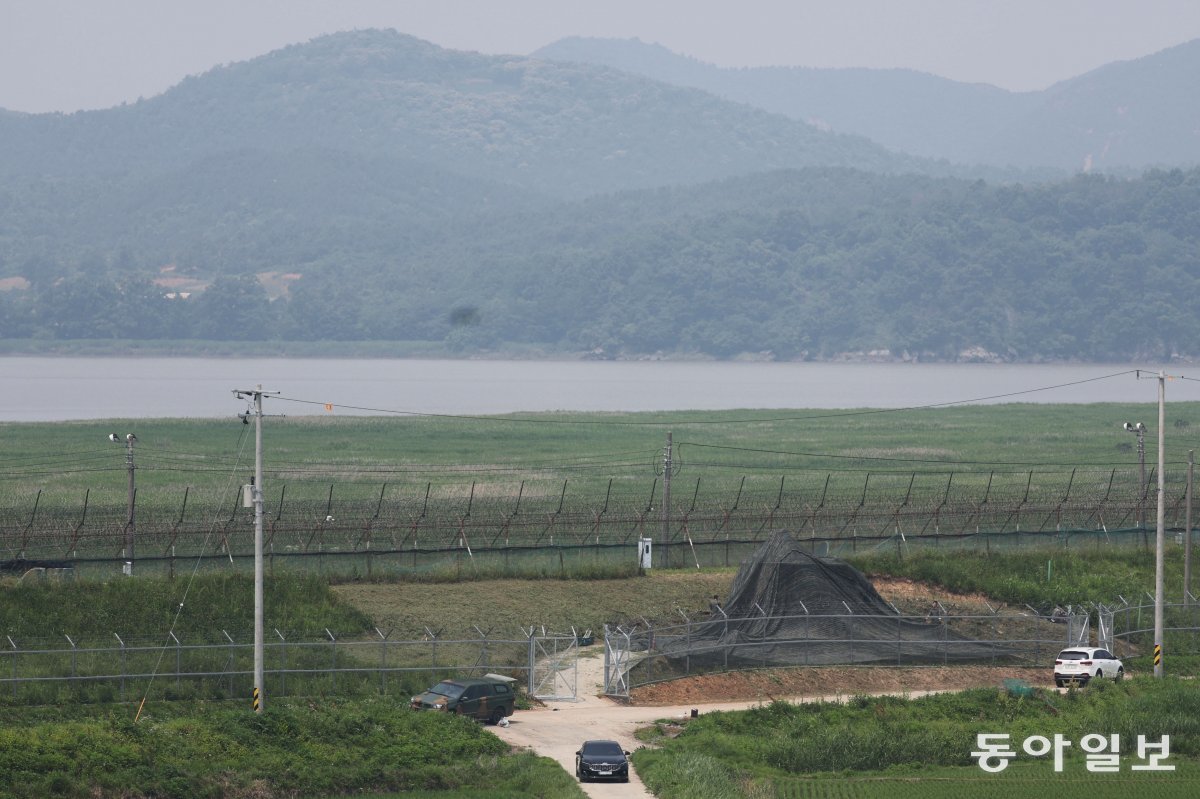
[
  {"x": 13, "y": 655},
  {"x": 124, "y": 663},
  {"x": 650, "y": 653},
  {"x": 532, "y": 661},
  {"x": 433, "y": 638},
  {"x": 382, "y": 662},
  {"x": 178, "y": 657},
  {"x": 282, "y": 663},
  {"x": 230, "y": 661},
  {"x": 72, "y": 643},
  {"x": 332, "y": 660}
]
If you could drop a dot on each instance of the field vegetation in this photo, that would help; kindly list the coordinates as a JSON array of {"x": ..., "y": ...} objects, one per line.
[
  {"x": 890, "y": 746},
  {"x": 299, "y": 748},
  {"x": 195, "y": 746},
  {"x": 308, "y": 450}
]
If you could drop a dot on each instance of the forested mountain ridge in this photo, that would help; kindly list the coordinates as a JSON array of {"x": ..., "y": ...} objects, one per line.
[
  {"x": 565, "y": 130},
  {"x": 810, "y": 264},
  {"x": 370, "y": 187},
  {"x": 1125, "y": 115}
]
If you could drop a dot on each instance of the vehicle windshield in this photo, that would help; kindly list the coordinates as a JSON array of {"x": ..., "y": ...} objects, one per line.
[
  {"x": 448, "y": 689},
  {"x": 1072, "y": 655},
  {"x": 603, "y": 749}
]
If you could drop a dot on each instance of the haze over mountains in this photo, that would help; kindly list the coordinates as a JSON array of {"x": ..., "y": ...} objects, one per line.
[
  {"x": 369, "y": 186},
  {"x": 1128, "y": 115}
]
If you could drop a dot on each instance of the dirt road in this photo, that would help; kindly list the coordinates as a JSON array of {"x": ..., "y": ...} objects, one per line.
[{"x": 558, "y": 729}]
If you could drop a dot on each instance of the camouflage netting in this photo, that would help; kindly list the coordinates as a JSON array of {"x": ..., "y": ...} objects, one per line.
[{"x": 787, "y": 607}]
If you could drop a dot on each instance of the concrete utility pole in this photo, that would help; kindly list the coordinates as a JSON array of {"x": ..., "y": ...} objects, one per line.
[
  {"x": 127, "y": 552},
  {"x": 1139, "y": 429},
  {"x": 259, "y": 698},
  {"x": 666, "y": 508},
  {"x": 131, "y": 504},
  {"x": 1187, "y": 527},
  {"x": 1160, "y": 538}
]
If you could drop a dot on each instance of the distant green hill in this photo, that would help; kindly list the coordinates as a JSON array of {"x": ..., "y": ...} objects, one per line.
[
  {"x": 1125, "y": 115},
  {"x": 368, "y": 186},
  {"x": 817, "y": 264},
  {"x": 566, "y": 130}
]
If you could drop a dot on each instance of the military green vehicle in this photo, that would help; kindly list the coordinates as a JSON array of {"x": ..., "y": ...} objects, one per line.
[{"x": 489, "y": 698}]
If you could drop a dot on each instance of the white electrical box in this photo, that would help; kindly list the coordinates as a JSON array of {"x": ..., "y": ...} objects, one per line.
[
  {"x": 248, "y": 496},
  {"x": 644, "y": 552}
]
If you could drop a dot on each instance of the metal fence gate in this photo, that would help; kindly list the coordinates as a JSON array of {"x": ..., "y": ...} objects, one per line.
[
  {"x": 554, "y": 672},
  {"x": 617, "y": 649}
]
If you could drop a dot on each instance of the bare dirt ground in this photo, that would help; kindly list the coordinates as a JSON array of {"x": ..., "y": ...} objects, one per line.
[{"x": 557, "y": 729}]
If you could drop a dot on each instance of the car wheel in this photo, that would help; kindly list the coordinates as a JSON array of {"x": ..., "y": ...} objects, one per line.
[
  {"x": 1120, "y": 674},
  {"x": 496, "y": 716},
  {"x": 1059, "y": 683},
  {"x": 1099, "y": 674}
]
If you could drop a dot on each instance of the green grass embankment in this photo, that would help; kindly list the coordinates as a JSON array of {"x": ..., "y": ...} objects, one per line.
[
  {"x": 812, "y": 750},
  {"x": 296, "y": 748}
]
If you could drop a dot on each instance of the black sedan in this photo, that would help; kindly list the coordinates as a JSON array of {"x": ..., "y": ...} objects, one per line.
[{"x": 602, "y": 760}]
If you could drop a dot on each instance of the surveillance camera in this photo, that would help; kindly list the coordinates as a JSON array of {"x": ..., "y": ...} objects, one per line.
[{"x": 1128, "y": 427}]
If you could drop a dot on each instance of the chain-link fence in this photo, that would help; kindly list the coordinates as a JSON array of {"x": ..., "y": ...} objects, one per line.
[{"x": 122, "y": 668}]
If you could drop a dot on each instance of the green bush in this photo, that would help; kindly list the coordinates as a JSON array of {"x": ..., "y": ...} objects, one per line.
[
  {"x": 882, "y": 734},
  {"x": 295, "y": 748}
]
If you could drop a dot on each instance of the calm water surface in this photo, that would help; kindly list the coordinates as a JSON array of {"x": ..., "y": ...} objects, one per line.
[{"x": 50, "y": 389}]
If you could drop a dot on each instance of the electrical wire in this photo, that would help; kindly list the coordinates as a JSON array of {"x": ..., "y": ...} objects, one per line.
[
  {"x": 619, "y": 423},
  {"x": 240, "y": 448}
]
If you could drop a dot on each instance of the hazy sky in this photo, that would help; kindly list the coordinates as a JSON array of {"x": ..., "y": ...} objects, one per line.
[{"x": 65, "y": 55}]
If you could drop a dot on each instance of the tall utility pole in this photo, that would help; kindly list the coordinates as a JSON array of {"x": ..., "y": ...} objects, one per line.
[
  {"x": 666, "y": 508},
  {"x": 1160, "y": 538},
  {"x": 1187, "y": 527},
  {"x": 129, "y": 519},
  {"x": 1139, "y": 430},
  {"x": 259, "y": 699},
  {"x": 127, "y": 551}
]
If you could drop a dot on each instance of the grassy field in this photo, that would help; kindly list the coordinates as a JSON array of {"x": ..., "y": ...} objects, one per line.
[
  {"x": 299, "y": 748},
  {"x": 883, "y": 746},
  {"x": 69, "y": 458},
  {"x": 197, "y": 748},
  {"x": 189, "y": 748}
]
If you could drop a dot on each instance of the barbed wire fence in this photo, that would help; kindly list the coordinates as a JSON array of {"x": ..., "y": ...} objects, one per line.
[
  {"x": 122, "y": 666},
  {"x": 375, "y": 529}
]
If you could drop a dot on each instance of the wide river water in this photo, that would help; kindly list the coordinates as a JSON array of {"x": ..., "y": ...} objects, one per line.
[{"x": 52, "y": 389}]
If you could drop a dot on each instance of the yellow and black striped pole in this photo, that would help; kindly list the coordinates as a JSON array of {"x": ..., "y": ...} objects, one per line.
[
  {"x": 1158, "y": 659},
  {"x": 256, "y": 699}
]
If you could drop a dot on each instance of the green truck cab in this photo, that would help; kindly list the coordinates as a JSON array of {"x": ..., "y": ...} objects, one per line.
[{"x": 489, "y": 698}]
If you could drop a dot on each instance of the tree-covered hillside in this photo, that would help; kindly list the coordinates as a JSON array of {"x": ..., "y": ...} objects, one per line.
[
  {"x": 566, "y": 130},
  {"x": 369, "y": 186},
  {"x": 799, "y": 264}
]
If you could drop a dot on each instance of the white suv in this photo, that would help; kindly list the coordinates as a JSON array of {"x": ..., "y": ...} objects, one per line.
[{"x": 1082, "y": 663}]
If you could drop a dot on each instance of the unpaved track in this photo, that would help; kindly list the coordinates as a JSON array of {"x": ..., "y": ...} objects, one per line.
[{"x": 558, "y": 729}]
